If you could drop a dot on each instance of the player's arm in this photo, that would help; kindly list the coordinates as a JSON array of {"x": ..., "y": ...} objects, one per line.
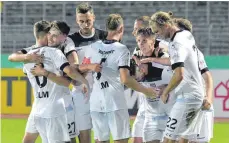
[
  {"x": 23, "y": 56},
  {"x": 175, "y": 80},
  {"x": 38, "y": 70},
  {"x": 163, "y": 61},
  {"x": 177, "y": 58},
  {"x": 206, "y": 76},
  {"x": 130, "y": 82},
  {"x": 74, "y": 74},
  {"x": 208, "y": 85}
]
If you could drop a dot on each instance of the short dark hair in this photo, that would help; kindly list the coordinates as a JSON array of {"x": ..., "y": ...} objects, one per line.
[
  {"x": 145, "y": 32},
  {"x": 84, "y": 8},
  {"x": 113, "y": 21},
  {"x": 62, "y": 26},
  {"x": 41, "y": 28}
]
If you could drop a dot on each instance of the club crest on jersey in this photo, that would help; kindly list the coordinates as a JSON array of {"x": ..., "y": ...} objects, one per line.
[{"x": 86, "y": 60}]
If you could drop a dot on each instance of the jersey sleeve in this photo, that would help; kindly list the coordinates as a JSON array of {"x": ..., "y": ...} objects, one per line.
[
  {"x": 69, "y": 46},
  {"x": 26, "y": 50},
  {"x": 124, "y": 59},
  {"x": 59, "y": 59},
  {"x": 177, "y": 54},
  {"x": 202, "y": 63}
]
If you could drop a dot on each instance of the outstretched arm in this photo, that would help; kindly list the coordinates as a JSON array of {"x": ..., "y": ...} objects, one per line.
[{"x": 19, "y": 56}]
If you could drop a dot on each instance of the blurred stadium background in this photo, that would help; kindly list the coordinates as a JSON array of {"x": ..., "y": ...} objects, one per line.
[
  {"x": 210, "y": 20},
  {"x": 210, "y": 27}
]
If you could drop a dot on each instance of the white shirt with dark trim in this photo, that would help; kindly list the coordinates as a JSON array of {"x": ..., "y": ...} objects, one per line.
[
  {"x": 202, "y": 63},
  {"x": 183, "y": 53},
  {"x": 108, "y": 92},
  {"x": 155, "y": 107},
  {"x": 48, "y": 96}
]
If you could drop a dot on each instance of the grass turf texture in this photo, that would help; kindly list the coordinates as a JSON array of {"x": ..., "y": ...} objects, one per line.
[{"x": 12, "y": 131}]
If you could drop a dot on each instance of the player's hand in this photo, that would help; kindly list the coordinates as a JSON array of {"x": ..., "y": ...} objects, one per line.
[
  {"x": 147, "y": 60},
  {"x": 137, "y": 61},
  {"x": 143, "y": 68},
  {"x": 34, "y": 58},
  {"x": 161, "y": 89},
  {"x": 38, "y": 70},
  {"x": 164, "y": 98},
  {"x": 86, "y": 91},
  {"x": 150, "y": 92},
  {"x": 95, "y": 67},
  {"x": 206, "y": 105}
]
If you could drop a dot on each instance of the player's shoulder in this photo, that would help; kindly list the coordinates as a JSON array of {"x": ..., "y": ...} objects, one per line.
[
  {"x": 75, "y": 35},
  {"x": 100, "y": 34},
  {"x": 51, "y": 50},
  {"x": 181, "y": 36}
]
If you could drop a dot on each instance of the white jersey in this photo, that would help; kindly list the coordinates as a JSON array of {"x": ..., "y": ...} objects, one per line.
[
  {"x": 183, "y": 53},
  {"x": 155, "y": 107},
  {"x": 202, "y": 63},
  {"x": 69, "y": 47},
  {"x": 108, "y": 91},
  {"x": 48, "y": 96}
]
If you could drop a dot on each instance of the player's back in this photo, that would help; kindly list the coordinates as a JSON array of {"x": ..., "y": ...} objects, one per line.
[
  {"x": 107, "y": 87},
  {"x": 48, "y": 96},
  {"x": 183, "y": 42}
]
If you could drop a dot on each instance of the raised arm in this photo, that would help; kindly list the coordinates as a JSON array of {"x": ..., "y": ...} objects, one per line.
[{"x": 22, "y": 56}]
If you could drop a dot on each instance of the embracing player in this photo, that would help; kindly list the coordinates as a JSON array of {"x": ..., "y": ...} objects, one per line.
[{"x": 107, "y": 103}]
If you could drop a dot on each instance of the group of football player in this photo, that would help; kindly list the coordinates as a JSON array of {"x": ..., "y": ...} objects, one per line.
[{"x": 79, "y": 81}]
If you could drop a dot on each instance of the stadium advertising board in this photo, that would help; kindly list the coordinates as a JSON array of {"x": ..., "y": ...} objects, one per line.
[{"x": 17, "y": 96}]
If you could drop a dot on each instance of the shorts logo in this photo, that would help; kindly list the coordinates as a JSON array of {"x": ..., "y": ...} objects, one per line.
[{"x": 222, "y": 91}]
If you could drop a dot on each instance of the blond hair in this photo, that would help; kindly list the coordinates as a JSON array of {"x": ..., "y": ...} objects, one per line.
[
  {"x": 113, "y": 22},
  {"x": 84, "y": 8},
  {"x": 183, "y": 24},
  {"x": 144, "y": 20},
  {"x": 159, "y": 19},
  {"x": 41, "y": 28}
]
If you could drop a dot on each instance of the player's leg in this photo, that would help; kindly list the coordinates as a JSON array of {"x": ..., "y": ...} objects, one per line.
[
  {"x": 153, "y": 128},
  {"x": 31, "y": 132},
  {"x": 57, "y": 131},
  {"x": 206, "y": 131},
  {"x": 30, "y": 137},
  {"x": 119, "y": 125},
  {"x": 100, "y": 126},
  {"x": 83, "y": 117},
  {"x": 73, "y": 129},
  {"x": 182, "y": 120},
  {"x": 85, "y": 136},
  {"x": 137, "y": 130}
]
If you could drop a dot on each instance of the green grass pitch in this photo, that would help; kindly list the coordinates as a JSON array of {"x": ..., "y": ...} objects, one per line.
[{"x": 12, "y": 131}]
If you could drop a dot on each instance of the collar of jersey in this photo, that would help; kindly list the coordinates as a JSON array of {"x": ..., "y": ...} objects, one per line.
[
  {"x": 109, "y": 41},
  {"x": 90, "y": 36},
  {"x": 175, "y": 34}
]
